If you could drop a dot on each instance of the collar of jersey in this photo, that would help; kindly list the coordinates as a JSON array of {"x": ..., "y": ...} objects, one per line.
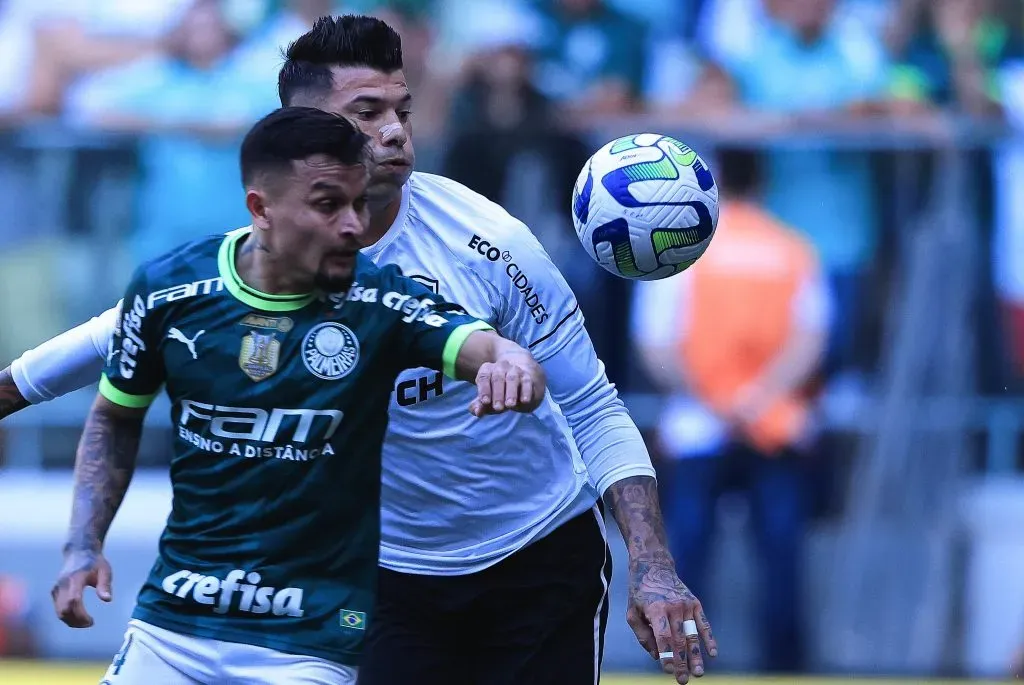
[
  {"x": 248, "y": 295},
  {"x": 396, "y": 227}
]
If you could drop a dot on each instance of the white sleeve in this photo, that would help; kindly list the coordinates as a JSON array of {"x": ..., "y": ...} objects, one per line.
[
  {"x": 70, "y": 361},
  {"x": 608, "y": 440}
]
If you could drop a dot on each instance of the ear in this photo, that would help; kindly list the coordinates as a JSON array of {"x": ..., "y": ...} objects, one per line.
[{"x": 256, "y": 201}]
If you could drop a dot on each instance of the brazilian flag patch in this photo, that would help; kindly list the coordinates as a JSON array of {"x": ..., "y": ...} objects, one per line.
[{"x": 356, "y": 620}]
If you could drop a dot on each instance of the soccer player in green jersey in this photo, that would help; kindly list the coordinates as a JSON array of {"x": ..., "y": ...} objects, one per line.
[{"x": 278, "y": 345}]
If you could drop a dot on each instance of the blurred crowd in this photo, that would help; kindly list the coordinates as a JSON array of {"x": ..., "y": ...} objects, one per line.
[
  {"x": 497, "y": 80},
  {"x": 511, "y": 97},
  {"x": 509, "y": 94}
]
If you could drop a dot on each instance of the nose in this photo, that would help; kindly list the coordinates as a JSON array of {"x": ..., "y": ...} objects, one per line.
[
  {"x": 351, "y": 224},
  {"x": 392, "y": 133}
]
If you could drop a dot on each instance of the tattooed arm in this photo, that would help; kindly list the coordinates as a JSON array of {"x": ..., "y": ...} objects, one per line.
[
  {"x": 103, "y": 468},
  {"x": 11, "y": 399},
  {"x": 659, "y": 603},
  {"x": 620, "y": 468}
]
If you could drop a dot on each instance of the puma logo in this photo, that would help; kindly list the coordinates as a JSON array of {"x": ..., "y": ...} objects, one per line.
[{"x": 190, "y": 343}]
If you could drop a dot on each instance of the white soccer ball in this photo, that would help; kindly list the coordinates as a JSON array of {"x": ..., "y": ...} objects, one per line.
[{"x": 645, "y": 206}]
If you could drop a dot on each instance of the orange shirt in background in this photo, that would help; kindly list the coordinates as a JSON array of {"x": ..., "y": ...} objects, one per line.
[{"x": 740, "y": 316}]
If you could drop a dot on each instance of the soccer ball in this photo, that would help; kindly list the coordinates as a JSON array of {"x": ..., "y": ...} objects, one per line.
[{"x": 645, "y": 206}]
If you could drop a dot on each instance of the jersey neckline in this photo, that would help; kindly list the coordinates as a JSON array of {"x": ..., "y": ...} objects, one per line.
[
  {"x": 247, "y": 294},
  {"x": 397, "y": 226}
]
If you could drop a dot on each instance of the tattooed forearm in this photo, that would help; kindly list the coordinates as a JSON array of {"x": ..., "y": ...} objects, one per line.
[
  {"x": 660, "y": 604},
  {"x": 103, "y": 469},
  {"x": 635, "y": 505},
  {"x": 11, "y": 399}
]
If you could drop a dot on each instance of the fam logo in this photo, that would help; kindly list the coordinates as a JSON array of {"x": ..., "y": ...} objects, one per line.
[{"x": 330, "y": 351}]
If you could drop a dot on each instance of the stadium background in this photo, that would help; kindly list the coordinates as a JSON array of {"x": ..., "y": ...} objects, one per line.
[{"x": 119, "y": 124}]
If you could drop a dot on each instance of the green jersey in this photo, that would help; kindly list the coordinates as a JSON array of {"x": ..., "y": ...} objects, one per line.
[{"x": 279, "y": 407}]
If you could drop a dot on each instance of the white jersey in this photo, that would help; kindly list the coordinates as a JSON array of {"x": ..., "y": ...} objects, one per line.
[{"x": 459, "y": 493}]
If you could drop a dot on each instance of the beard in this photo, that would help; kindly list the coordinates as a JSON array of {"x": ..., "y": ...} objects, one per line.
[{"x": 333, "y": 283}]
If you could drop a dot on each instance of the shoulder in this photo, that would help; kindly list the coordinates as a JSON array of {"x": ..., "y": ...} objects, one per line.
[
  {"x": 382, "y": 284},
  {"x": 185, "y": 271},
  {"x": 456, "y": 213},
  {"x": 475, "y": 230},
  {"x": 368, "y": 274}
]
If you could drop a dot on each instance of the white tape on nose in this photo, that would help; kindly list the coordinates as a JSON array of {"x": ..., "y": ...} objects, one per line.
[{"x": 389, "y": 131}]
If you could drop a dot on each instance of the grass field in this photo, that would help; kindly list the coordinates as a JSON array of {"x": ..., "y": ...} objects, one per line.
[{"x": 15, "y": 673}]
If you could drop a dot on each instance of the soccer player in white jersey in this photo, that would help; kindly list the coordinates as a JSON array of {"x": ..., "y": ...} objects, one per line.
[{"x": 494, "y": 561}]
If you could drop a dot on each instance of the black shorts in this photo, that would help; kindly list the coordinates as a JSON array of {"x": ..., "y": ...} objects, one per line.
[{"x": 536, "y": 618}]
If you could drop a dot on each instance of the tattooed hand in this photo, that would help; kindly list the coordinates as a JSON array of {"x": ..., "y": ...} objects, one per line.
[
  {"x": 11, "y": 399},
  {"x": 82, "y": 569},
  {"x": 660, "y": 604},
  {"x": 659, "y": 607}
]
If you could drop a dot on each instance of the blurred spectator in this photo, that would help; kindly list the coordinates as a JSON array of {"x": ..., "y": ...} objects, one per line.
[
  {"x": 17, "y": 50},
  {"x": 17, "y": 639},
  {"x": 190, "y": 104},
  {"x": 77, "y": 38},
  {"x": 592, "y": 59},
  {"x": 498, "y": 113},
  {"x": 738, "y": 340},
  {"x": 726, "y": 28},
  {"x": 804, "y": 68},
  {"x": 948, "y": 53},
  {"x": 286, "y": 20},
  {"x": 1008, "y": 239}
]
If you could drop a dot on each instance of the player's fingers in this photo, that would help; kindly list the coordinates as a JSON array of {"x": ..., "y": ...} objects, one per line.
[
  {"x": 680, "y": 657},
  {"x": 104, "y": 582},
  {"x": 513, "y": 379},
  {"x": 67, "y": 602},
  {"x": 663, "y": 637},
  {"x": 526, "y": 391},
  {"x": 704, "y": 628},
  {"x": 687, "y": 629},
  {"x": 483, "y": 385},
  {"x": 642, "y": 630},
  {"x": 67, "y": 586},
  {"x": 75, "y": 615},
  {"x": 498, "y": 390}
]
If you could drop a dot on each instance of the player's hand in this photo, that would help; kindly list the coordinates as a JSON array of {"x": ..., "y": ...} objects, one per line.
[
  {"x": 515, "y": 382},
  {"x": 81, "y": 569},
  {"x": 660, "y": 612}
]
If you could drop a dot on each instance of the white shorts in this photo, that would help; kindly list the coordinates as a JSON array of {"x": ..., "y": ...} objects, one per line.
[{"x": 152, "y": 656}]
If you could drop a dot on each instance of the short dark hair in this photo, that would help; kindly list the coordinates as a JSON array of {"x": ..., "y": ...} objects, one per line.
[
  {"x": 346, "y": 41},
  {"x": 739, "y": 171},
  {"x": 293, "y": 133}
]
